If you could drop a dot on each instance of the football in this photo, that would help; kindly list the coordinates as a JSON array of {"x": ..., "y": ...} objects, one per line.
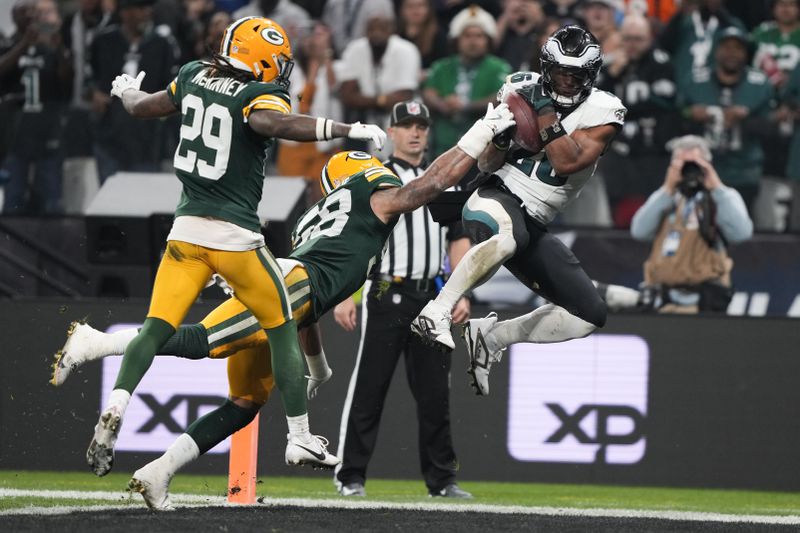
[{"x": 526, "y": 132}]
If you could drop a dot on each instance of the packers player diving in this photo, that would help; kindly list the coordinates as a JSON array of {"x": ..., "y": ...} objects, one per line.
[
  {"x": 336, "y": 242},
  {"x": 232, "y": 110}
]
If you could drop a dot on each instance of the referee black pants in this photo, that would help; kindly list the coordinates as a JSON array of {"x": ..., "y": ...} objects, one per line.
[{"x": 386, "y": 333}]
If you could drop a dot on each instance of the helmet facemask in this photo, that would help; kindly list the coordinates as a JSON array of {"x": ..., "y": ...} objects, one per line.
[{"x": 571, "y": 52}]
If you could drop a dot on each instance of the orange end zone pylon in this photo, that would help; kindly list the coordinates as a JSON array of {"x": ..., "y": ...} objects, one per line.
[{"x": 243, "y": 465}]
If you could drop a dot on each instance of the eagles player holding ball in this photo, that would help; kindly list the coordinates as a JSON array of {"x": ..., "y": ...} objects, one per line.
[
  {"x": 508, "y": 215},
  {"x": 233, "y": 108}
]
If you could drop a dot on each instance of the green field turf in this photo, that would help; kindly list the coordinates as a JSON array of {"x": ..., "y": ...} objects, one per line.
[{"x": 525, "y": 494}]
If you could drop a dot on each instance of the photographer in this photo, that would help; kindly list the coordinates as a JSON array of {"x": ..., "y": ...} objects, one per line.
[{"x": 691, "y": 219}]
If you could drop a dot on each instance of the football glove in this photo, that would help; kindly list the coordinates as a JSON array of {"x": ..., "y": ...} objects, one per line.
[
  {"x": 367, "y": 132},
  {"x": 315, "y": 382},
  {"x": 123, "y": 82}
]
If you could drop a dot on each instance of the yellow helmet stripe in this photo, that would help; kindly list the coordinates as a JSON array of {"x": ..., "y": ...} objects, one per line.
[{"x": 228, "y": 37}]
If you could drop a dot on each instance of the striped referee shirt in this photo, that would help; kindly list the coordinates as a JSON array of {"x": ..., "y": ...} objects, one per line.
[{"x": 416, "y": 247}]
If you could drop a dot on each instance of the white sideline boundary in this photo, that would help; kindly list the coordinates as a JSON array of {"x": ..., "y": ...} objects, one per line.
[{"x": 196, "y": 500}]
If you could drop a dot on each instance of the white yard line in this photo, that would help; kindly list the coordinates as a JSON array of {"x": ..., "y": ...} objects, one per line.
[{"x": 196, "y": 500}]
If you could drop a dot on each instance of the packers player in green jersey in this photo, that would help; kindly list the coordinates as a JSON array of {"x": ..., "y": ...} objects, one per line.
[
  {"x": 232, "y": 108},
  {"x": 336, "y": 242}
]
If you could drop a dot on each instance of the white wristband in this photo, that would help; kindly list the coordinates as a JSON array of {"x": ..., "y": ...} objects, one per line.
[
  {"x": 320, "y": 129},
  {"x": 328, "y": 129},
  {"x": 476, "y": 139}
]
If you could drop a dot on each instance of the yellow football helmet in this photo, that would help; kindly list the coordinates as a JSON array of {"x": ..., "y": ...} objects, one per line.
[
  {"x": 260, "y": 46},
  {"x": 340, "y": 167}
]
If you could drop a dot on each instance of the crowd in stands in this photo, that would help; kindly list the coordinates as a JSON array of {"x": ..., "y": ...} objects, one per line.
[{"x": 725, "y": 70}]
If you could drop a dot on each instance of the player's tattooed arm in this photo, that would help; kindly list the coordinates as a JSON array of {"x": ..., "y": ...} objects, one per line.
[
  {"x": 446, "y": 171},
  {"x": 492, "y": 158},
  {"x": 145, "y": 105},
  {"x": 571, "y": 153}
]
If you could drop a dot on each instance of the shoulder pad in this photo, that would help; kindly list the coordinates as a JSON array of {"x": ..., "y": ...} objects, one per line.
[
  {"x": 516, "y": 81},
  {"x": 601, "y": 108}
]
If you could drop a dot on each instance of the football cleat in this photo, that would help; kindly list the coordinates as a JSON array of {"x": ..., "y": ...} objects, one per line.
[
  {"x": 480, "y": 360},
  {"x": 353, "y": 489},
  {"x": 313, "y": 452},
  {"x": 432, "y": 326},
  {"x": 152, "y": 482},
  {"x": 451, "y": 491},
  {"x": 79, "y": 348},
  {"x": 100, "y": 455}
]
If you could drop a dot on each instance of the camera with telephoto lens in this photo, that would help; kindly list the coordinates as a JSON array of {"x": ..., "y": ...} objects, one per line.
[{"x": 692, "y": 176}]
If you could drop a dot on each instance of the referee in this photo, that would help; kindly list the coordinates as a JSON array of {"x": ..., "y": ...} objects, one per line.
[{"x": 396, "y": 292}]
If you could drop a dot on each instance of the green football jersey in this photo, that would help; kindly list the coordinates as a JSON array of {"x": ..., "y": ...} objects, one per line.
[
  {"x": 339, "y": 239},
  {"x": 737, "y": 158},
  {"x": 784, "y": 49},
  {"x": 220, "y": 160}
]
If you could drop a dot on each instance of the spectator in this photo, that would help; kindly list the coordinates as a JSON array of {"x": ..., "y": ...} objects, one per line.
[
  {"x": 791, "y": 108},
  {"x": 291, "y": 17},
  {"x": 419, "y": 25},
  {"x": 348, "y": 19},
  {"x": 690, "y": 220},
  {"x": 730, "y": 105},
  {"x": 459, "y": 87},
  {"x": 549, "y": 27},
  {"x": 401, "y": 285},
  {"x": 446, "y": 10},
  {"x": 777, "y": 55},
  {"x": 778, "y": 42},
  {"x": 11, "y": 49},
  {"x": 518, "y": 31},
  {"x": 212, "y": 34},
  {"x": 78, "y": 32},
  {"x": 45, "y": 72},
  {"x": 690, "y": 35},
  {"x": 186, "y": 20},
  {"x": 311, "y": 90},
  {"x": 563, "y": 10},
  {"x": 750, "y": 12},
  {"x": 121, "y": 141},
  {"x": 377, "y": 71},
  {"x": 600, "y": 19},
  {"x": 642, "y": 78}
]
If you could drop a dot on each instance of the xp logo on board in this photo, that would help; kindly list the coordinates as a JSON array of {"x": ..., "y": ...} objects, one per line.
[
  {"x": 272, "y": 36},
  {"x": 173, "y": 394},
  {"x": 581, "y": 401}
]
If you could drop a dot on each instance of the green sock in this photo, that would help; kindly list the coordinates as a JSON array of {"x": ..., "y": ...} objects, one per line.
[
  {"x": 190, "y": 342},
  {"x": 211, "y": 429},
  {"x": 140, "y": 353},
  {"x": 288, "y": 368}
]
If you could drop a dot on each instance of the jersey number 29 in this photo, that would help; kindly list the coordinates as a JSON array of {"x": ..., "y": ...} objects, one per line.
[{"x": 214, "y": 125}]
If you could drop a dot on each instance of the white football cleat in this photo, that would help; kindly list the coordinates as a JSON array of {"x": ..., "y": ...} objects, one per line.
[
  {"x": 100, "y": 455},
  {"x": 480, "y": 360},
  {"x": 313, "y": 451},
  {"x": 81, "y": 346},
  {"x": 152, "y": 482},
  {"x": 432, "y": 325}
]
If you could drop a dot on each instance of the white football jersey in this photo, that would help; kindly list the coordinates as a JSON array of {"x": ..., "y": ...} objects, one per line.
[{"x": 533, "y": 179}]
